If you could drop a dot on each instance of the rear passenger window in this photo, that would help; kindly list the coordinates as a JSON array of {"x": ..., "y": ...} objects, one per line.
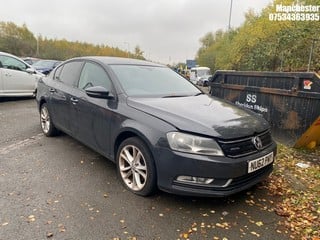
[{"x": 69, "y": 73}]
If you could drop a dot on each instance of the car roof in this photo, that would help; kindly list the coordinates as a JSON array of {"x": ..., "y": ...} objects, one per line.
[
  {"x": 48, "y": 60},
  {"x": 120, "y": 61},
  {"x": 14, "y": 56},
  {"x": 8, "y": 54}
]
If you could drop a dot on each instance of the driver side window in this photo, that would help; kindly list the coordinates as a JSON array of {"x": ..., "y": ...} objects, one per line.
[
  {"x": 94, "y": 75},
  {"x": 12, "y": 63}
]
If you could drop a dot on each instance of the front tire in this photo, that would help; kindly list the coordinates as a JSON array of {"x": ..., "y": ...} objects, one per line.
[
  {"x": 135, "y": 167},
  {"x": 46, "y": 123}
]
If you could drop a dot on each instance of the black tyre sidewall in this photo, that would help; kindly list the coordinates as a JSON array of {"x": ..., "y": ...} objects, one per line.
[{"x": 52, "y": 129}]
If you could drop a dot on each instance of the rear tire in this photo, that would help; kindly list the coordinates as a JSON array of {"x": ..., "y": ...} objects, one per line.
[
  {"x": 46, "y": 123},
  {"x": 135, "y": 166}
]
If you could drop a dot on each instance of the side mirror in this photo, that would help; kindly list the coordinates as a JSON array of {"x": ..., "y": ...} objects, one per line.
[
  {"x": 98, "y": 92},
  {"x": 30, "y": 70}
]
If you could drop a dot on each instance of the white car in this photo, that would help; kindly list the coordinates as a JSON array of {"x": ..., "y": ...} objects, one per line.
[{"x": 17, "y": 78}]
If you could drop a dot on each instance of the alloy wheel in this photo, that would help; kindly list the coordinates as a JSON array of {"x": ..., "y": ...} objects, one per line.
[
  {"x": 133, "y": 167},
  {"x": 45, "y": 119}
]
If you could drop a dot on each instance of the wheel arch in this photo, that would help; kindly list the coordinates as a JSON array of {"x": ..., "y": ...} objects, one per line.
[
  {"x": 128, "y": 133},
  {"x": 41, "y": 102}
]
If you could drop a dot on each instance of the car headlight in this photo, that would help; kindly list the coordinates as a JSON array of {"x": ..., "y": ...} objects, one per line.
[{"x": 193, "y": 144}]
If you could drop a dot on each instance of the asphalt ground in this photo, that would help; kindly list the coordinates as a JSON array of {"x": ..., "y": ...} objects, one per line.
[{"x": 57, "y": 188}]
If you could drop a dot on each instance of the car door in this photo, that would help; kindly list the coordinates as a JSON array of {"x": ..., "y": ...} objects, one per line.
[
  {"x": 92, "y": 125},
  {"x": 15, "y": 78},
  {"x": 61, "y": 91}
]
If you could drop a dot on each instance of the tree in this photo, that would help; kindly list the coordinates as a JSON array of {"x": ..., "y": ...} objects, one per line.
[
  {"x": 21, "y": 42},
  {"x": 263, "y": 45},
  {"x": 17, "y": 40},
  {"x": 138, "y": 53}
]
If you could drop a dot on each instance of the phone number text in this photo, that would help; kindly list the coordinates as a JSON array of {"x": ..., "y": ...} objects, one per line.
[{"x": 294, "y": 17}]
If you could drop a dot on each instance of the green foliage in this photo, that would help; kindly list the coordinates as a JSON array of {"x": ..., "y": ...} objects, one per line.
[
  {"x": 263, "y": 45},
  {"x": 16, "y": 40},
  {"x": 21, "y": 42}
]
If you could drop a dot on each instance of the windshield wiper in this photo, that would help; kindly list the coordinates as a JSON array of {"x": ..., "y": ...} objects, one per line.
[
  {"x": 182, "y": 95},
  {"x": 174, "y": 96},
  {"x": 197, "y": 94}
]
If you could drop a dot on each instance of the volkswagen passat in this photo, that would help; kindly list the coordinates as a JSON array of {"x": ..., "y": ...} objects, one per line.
[{"x": 160, "y": 130}]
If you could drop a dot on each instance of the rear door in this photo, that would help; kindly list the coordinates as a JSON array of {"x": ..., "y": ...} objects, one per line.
[{"x": 61, "y": 91}]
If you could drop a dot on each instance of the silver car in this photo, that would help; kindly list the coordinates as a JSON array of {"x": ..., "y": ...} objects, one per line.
[{"x": 17, "y": 78}]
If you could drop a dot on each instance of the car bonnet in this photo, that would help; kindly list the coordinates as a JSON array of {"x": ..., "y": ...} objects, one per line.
[{"x": 203, "y": 114}]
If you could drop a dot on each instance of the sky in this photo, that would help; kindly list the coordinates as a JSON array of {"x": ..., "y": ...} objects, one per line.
[{"x": 167, "y": 31}]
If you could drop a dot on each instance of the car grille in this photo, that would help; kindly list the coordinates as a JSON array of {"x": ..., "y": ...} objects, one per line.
[{"x": 243, "y": 147}]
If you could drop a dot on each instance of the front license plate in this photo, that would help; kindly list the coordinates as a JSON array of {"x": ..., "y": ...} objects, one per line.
[{"x": 256, "y": 164}]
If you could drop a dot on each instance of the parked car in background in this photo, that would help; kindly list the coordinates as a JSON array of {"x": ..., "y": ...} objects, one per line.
[
  {"x": 17, "y": 78},
  {"x": 197, "y": 72},
  {"x": 46, "y": 66},
  {"x": 30, "y": 60},
  {"x": 160, "y": 130},
  {"x": 204, "y": 80}
]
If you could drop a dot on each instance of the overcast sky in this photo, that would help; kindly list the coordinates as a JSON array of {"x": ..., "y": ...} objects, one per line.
[{"x": 168, "y": 31}]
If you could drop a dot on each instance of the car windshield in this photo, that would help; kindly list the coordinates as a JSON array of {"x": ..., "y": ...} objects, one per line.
[
  {"x": 44, "y": 64},
  {"x": 152, "y": 81},
  {"x": 203, "y": 72}
]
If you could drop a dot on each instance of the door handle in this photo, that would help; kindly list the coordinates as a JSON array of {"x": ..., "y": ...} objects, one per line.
[
  {"x": 74, "y": 100},
  {"x": 52, "y": 90}
]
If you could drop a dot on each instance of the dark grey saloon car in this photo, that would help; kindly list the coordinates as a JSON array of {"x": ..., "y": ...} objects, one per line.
[{"x": 160, "y": 130}]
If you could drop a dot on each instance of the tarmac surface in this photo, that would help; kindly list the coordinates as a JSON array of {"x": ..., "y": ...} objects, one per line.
[{"x": 57, "y": 188}]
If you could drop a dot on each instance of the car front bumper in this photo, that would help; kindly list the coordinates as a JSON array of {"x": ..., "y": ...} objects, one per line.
[{"x": 230, "y": 175}]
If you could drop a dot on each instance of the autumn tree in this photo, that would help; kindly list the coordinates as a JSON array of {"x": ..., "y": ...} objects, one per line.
[
  {"x": 260, "y": 44},
  {"x": 17, "y": 40},
  {"x": 21, "y": 42}
]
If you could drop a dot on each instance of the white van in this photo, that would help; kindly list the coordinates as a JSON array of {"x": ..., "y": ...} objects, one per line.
[{"x": 199, "y": 72}]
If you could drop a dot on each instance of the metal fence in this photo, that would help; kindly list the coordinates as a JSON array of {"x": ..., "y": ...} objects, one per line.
[{"x": 289, "y": 101}]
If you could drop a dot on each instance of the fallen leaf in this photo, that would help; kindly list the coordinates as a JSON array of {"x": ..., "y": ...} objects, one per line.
[
  {"x": 255, "y": 234},
  {"x": 225, "y": 213},
  {"x": 259, "y": 224},
  {"x": 31, "y": 218},
  {"x": 49, "y": 234}
]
